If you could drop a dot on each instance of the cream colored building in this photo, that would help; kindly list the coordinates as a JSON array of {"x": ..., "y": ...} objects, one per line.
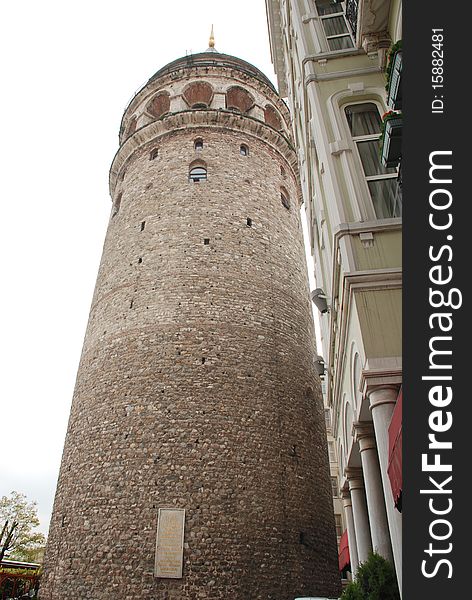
[{"x": 330, "y": 60}]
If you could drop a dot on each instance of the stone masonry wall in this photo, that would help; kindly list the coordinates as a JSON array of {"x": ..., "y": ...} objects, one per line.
[{"x": 196, "y": 389}]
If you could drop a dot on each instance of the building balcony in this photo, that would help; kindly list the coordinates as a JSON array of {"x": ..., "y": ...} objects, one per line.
[{"x": 367, "y": 18}]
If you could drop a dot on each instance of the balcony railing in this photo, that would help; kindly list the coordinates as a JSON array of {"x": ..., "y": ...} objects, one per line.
[{"x": 352, "y": 7}]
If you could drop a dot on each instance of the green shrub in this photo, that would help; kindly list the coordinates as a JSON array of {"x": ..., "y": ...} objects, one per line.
[
  {"x": 352, "y": 592},
  {"x": 375, "y": 580}
]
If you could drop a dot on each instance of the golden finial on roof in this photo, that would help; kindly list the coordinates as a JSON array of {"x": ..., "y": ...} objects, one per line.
[
  {"x": 211, "y": 43},
  {"x": 211, "y": 47}
]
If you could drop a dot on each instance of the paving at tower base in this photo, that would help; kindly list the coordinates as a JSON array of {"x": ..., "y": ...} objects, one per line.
[{"x": 195, "y": 463}]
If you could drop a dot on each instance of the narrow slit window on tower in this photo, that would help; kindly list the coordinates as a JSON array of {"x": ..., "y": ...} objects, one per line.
[
  {"x": 116, "y": 205},
  {"x": 198, "y": 145},
  {"x": 285, "y": 199},
  {"x": 154, "y": 153},
  {"x": 244, "y": 150},
  {"x": 197, "y": 174},
  {"x": 249, "y": 222},
  {"x": 143, "y": 225},
  {"x": 206, "y": 241}
]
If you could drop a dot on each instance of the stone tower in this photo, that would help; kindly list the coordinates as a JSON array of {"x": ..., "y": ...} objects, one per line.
[{"x": 196, "y": 388}]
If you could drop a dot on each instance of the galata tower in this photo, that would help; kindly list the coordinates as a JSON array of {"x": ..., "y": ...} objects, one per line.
[{"x": 195, "y": 464}]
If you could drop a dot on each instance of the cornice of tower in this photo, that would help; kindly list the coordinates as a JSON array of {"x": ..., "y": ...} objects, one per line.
[
  {"x": 199, "y": 119},
  {"x": 198, "y": 70},
  {"x": 219, "y": 70}
]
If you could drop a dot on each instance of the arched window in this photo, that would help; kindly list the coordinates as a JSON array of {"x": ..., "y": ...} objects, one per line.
[
  {"x": 154, "y": 153},
  {"x": 244, "y": 150},
  {"x": 237, "y": 98},
  {"x": 197, "y": 174},
  {"x": 271, "y": 117},
  {"x": 365, "y": 124},
  {"x": 198, "y": 94},
  {"x": 198, "y": 144},
  {"x": 159, "y": 105}
]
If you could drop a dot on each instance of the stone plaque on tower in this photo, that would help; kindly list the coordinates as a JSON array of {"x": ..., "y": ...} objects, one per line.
[{"x": 169, "y": 543}]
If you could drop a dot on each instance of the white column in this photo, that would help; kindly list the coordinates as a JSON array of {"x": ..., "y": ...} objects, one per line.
[
  {"x": 382, "y": 403},
  {"x": 257, "y": 112},
  {"x": 359, "y": 514},
  {"x": 374, "y": 490},
  {"x": 177, "y": 103},
  {"x": 219, "y": 100},
  {"x": 351, "y": 532}
]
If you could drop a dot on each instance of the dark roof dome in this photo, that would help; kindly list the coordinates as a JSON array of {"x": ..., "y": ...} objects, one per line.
[{"x": 213, "y": 58}]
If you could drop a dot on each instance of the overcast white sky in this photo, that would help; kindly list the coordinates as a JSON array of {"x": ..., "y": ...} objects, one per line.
[{"x": 68, "y": 71}]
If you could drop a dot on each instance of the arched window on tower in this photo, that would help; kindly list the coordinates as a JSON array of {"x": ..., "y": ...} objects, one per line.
[
  {"x": 272, "y": 118},
  {"x": 198, "y": 94},
  {"x": 198, "y": 144},
  {"x": 197, "y": 171},
  {"x": 244, "y": 150},
  {"x": 198, "y": 174},
  {"x": 237, "y": 98},
  {"x": 159, "y": 105}
]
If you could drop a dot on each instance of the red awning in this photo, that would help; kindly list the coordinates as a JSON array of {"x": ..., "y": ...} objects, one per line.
[
  {"x": 395, "y": 452},
  {"x": 344, "y": 558}
]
